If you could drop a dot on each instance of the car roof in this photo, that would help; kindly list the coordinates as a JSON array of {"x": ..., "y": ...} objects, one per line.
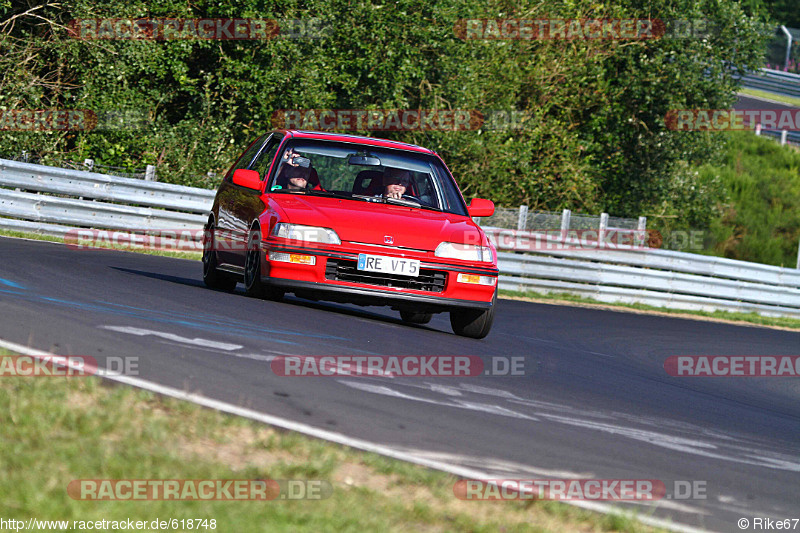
[{"x": 358, "y": 139}]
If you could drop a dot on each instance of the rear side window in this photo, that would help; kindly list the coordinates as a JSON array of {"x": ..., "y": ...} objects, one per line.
[
  {"x": 247, "y": 157},
  {"x": 264, "y": 159}
]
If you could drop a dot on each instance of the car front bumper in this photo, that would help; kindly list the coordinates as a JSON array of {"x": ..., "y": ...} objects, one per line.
[{"x": 436, "y": 289}]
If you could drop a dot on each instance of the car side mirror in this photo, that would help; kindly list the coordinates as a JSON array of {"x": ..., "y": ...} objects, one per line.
[
  {"x": 247, "y": 178},
  {"x": 479, "y": 207}
]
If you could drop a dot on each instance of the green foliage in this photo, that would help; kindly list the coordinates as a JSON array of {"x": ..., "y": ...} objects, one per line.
[
  {"x": 594, "y": 139},
  {"x": 781, "y": 11},
  {"x": 761, "y": 221}
]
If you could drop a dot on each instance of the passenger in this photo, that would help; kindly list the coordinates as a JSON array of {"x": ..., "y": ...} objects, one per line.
[{"x": 395, "y": 182}]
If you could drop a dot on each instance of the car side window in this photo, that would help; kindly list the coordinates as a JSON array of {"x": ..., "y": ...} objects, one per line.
[
  {"x": 264, "y": 159},
  {"x": 247, "y": 157}
]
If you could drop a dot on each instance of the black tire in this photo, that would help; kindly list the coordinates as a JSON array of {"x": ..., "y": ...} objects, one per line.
[
  {"x": 253, "y": 285},
  {"x": 413, "y": 317},
  {"x": 212, "y": 277},
  {"x": 473, "y": 323}
]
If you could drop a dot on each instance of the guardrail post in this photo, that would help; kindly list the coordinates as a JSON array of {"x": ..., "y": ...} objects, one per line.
[
  {"x": 522, "y": 221},
  {"x": 150, "y": 173},
  {"x": 798, "y": 255},
  {"x": 601, "y": 235},
  {"x": 566, "y": 214},
  {"x": 89, "y": 163},
  {"x": 641, "y": 232},
  {"x": 784, "y": 133},
  {"x": 758, "y": 129}
]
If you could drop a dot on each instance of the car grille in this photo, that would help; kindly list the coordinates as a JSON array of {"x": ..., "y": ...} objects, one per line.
[{"x": 346, "y": 270}]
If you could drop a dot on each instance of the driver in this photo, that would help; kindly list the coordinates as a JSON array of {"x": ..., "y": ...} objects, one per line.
[
  {"x": 293, "y": 176},
  {"x": 297, "y": 178},
  {"x": 395, "y": 182}
]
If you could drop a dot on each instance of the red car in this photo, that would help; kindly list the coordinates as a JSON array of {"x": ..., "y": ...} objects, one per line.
[{"x": 352, "y": 219}]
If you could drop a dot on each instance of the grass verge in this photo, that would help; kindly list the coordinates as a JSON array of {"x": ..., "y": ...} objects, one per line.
[
  {"x": 718, "y": 316},
  {"x": 56, "y": 430},
  {"x": 789, "y": 100}
]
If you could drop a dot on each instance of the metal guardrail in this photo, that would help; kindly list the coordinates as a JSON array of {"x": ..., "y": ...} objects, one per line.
[
  {"x": 623, "y": 274},
  {"x": 661, "y": 278},
  {"x": 82, "y": 213},
  {"x": 78, "y": 183},
  {"x": 32, "y": 196},
  {"x": 785, "y": 136},
  {"x": 773, "y": 81}
]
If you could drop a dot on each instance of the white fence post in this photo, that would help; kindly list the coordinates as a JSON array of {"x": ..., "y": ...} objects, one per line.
[
  {"x": 758, "y": 129},
  {"x": 150, "y": 173},
  {"x": 522, "y": 221},
  {"x": 784, "y": 134},
  {"x": 566, "y": 214},
  {"x": 798, "y": 255},
  {"x": 641, "y": 232},
  {"x": 601, "y": 235}
]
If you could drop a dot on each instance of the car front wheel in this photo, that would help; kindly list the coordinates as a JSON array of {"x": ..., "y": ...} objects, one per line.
[
  {"x": 474, "y": 323},
  {"x": 253, "y": 285}
]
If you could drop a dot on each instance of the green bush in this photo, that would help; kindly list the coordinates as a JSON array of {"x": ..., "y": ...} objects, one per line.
[
  {"x": 761, "y": 219},
  {"x": 595, "y": 138}
]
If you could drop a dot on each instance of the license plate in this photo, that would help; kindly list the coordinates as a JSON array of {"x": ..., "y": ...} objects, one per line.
[{"x": 388, "y": 265}]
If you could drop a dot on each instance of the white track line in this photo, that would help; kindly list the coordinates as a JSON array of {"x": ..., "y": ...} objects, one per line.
[{"x": 339, "y": 438}]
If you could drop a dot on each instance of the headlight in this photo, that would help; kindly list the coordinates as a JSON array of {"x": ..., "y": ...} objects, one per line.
[
  {"x": 297, "y": 232},
  {"x": 468, "y": 252}
]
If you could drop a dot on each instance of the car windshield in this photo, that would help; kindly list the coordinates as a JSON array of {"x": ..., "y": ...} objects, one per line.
[{"x": 362, "y": 173}]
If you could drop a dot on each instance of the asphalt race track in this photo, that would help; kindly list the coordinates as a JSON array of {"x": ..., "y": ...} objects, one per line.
[
  {"x": 595, "y": 402},
  {"x": 749, "y": 102}
]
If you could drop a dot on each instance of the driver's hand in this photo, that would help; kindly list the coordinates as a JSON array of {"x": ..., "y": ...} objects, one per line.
[
  {"x": 394, "y": 194},
  {"x": 289, "y": 157}
]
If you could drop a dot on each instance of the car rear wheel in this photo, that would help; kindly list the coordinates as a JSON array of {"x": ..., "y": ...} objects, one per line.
[
  {"x": 212, "y": 277},
  {"x": 413, "y": 317},
  {"x": 474, "y": 323},
  {"x": 253, "y": 285}
]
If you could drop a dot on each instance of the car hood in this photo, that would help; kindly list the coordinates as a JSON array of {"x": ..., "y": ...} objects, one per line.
[{"x": 371, "y": 223}]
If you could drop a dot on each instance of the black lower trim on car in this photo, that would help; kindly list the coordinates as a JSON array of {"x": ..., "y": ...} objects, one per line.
[{"x": 312, "y": 290}]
